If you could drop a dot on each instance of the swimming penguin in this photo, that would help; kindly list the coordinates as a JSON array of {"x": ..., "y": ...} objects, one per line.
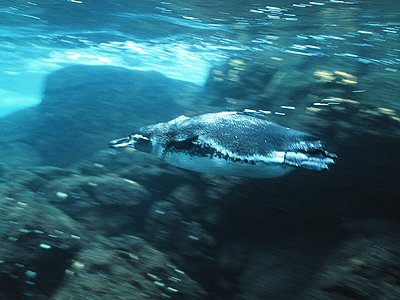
[{"x": 230, "y": 143}]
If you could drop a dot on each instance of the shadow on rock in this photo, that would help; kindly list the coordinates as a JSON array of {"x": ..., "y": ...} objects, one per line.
[
  {"x": 38, "y": 242},
  {"x": 83, "y": 108}
]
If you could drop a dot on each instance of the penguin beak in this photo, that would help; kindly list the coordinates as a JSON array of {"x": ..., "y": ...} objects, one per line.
[{"x": 122, "y": 143}]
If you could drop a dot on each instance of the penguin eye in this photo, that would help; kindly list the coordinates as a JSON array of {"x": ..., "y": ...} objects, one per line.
[
  {"x": 138, "y": 137},
  {"x": 142, "y": 143}
]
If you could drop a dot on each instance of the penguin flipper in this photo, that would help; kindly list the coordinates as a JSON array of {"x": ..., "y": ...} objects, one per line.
[{"x": 182, "y": 144}]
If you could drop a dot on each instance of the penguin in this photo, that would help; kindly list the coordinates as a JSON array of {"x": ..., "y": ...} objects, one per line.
[{"x": 231, "y": 144}]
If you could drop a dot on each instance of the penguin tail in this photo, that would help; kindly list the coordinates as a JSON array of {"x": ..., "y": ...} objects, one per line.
[{"x": 314, "y": 159}]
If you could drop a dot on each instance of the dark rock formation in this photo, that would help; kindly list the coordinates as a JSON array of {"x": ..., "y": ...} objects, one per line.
[
  {"x": 38, "y": 243},
  {"x": 364, "y": 267},
  {"x": 46, "y": 252},
  {"x": 118, "y": 203},
  {"x": 124, "y": 267},
  {"x": 251, "y": 82},
  {"x": 83, "y": 108}
]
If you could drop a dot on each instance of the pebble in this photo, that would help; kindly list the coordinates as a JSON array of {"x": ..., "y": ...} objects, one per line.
[
  {"x": 44, "y": 246},
  {"x": 159, "y": 283},
  {"x": 62, "y": 195},
  {"x": 30, "y": 274},
  {"x": 172, "y": 289}
]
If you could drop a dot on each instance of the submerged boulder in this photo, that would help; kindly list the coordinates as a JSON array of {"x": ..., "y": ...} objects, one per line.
[
  {"x": 38, "y": 242},
  {"x": 83, "y": 107},
  {"x": 102, "y": 203},
  {"x": 124, "y": 268},
  {"x": 362, "y": 268}
]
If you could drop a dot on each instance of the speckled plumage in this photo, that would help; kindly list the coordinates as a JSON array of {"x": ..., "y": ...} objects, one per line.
[{"x": 230, "y": 143}]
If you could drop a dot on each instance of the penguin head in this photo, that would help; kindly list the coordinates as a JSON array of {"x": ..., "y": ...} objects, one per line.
[{"x": 136, "y": 141}]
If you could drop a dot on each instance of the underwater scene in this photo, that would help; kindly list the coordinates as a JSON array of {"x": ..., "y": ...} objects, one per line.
[{"x": 199, "y": 149}]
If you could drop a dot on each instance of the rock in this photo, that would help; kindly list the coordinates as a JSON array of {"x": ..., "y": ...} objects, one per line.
[
  {"x": 21, "y": 181},
  {"x": 188, "y": 200},
  {"x": 29, "y": 183},
  {"x": 123, "y": 267},
  {"x": 49, "y": 173},
  {"x": 163, "y": 225},
  {"x": 141, "y": 167},
  {"x": 38, "y": 243},
  {"x": 118, "y": 202},
  {"x": 196, "y": 241},
  {"x": 237, "y": 79},
  {"x": 260, "y": 81},
  {"x": 83, "y": 108},
  {"x": 361, "y": 269},
  {"x": 346, "y": 118},
  {"x": 105, "y": 190},
  {"x": 106, "y": 204}
]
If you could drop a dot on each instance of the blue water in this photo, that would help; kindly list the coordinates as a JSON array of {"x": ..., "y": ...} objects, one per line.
[
  {"x": 81, "y": 221},
  {"x": 183, "y": 40}
]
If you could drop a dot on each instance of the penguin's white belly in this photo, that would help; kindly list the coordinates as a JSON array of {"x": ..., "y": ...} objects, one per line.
[{"x": 219, "y": 166}]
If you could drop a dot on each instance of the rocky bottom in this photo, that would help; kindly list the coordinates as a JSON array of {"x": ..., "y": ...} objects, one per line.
[{"x": 127, "y": 226}]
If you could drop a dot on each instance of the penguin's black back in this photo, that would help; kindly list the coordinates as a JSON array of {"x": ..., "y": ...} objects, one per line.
[{"x": 235, "y": 132}]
